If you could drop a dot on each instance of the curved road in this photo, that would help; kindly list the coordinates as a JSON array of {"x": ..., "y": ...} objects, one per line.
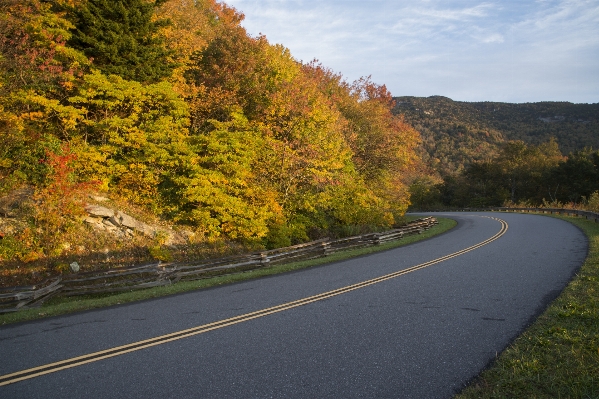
[{"x": 418, "y": 334}]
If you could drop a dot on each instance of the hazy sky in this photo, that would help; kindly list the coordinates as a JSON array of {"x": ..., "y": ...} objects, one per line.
[{"x": 468, "y": 50}]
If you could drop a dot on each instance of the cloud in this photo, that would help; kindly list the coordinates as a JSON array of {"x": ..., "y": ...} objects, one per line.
[{"x": 508, "y": 50}]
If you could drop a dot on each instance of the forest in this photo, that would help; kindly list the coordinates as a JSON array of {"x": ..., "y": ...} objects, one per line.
[
  {"x": 456, "y": 133},
  {"x": 495, "y": 154},
  {"x": 171, "y": 109}
]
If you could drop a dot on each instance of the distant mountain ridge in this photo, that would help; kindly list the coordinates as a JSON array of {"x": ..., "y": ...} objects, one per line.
[{"x": 456, "y": 133}]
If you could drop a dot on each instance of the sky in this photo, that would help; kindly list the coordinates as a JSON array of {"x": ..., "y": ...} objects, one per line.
[{"x": 499, "y": 50}]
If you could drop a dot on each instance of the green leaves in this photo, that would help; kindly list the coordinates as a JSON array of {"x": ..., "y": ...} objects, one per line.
[
  {"x": 218, "y": 191},
  {"x": 121, "y": 38},
  {"x": 240, "y": 142}
]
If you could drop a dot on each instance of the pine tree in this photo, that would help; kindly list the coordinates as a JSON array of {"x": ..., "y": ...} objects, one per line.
[{"x": 122, "y": 39}]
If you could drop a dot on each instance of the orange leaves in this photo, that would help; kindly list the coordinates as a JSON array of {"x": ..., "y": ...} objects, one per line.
[
  {"x": 241, "y": 142},
  {"x": 318, "y": 132},
  {"x": 60, "y": 200},
  {"x": 33, "y": 45},
  {"x": 62, "y": 193},
  {"x": 381, "y": 141},
  {"x": 383, "y": 146},
  {"x": 190, "y": 27}
]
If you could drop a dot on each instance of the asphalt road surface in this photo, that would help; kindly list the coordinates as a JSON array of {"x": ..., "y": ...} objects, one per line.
[{"x": 421, "y": 333}]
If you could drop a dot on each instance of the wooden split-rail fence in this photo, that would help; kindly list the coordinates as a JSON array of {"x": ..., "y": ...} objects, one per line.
[
  {"x": 594, "y": 216},
  {"x": 159, "y": 274}
]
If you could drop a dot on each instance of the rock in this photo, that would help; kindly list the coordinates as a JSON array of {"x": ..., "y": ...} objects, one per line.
[
  {"x": 147, "y": 230},
  {"x": 108, "y": 223},
  {"x": 177, "y": 238},
  {"x": 127, "y": 220},
  {"x": 114, "y": 220},
  {"x": 74, "y": 267},
  {"x": 187, "y": 235},
  {"x": 135, "y": 224},
  {"x": 99, "y": 211},
  {"x": 7, "y": 228},
  {"x": 95, "y": 222},
  {"x": 119, "y": 223}
]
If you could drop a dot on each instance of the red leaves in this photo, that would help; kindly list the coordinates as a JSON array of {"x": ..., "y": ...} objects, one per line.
[{"x": 62, "y": 192}]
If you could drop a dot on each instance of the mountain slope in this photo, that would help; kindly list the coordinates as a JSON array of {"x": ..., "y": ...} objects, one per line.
[{"x": 457, "y": 133}]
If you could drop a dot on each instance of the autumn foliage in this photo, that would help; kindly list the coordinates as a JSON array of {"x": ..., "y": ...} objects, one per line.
[{"x": 199, "y": 123}]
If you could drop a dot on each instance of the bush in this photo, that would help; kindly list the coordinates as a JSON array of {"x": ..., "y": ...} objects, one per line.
[{"x": 593, "y": 202}]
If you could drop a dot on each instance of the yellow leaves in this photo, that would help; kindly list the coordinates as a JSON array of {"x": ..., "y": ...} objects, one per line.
[
  {"x": 593, "y": 202},
  {"x": 241, "y": 140},
  {"x": 138, "y": 184},
  {"x": 129, "y": 113},
  {"x": 33, "y": 116},
  {"x": 48, "y": 110},
  {"x": 219, "y": 193},
  {"x": 190, "y": 28},
  {"x": 5, "y": 163},
  {"x": 67, "y": 85}
]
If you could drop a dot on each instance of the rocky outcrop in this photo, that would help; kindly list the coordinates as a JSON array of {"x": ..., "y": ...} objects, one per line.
[
  {"x": 125, "y": 226},
  {"x": 98, "y": 217}
]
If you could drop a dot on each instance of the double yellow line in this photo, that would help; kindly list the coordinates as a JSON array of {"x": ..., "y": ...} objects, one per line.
[{"x": 121, "y": 350}]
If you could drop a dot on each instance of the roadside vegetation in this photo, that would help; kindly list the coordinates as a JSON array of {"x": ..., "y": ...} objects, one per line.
[
  {"x": 58, "y": 306},
  {"x": 516, "y": 174},
  {"x": 170, "y": 107},
  {"x": 557, "y": 356}
]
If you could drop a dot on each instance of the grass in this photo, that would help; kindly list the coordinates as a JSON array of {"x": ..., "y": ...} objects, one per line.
[
  {"x": 59, "y": 306},
  {"x": 558, "y": 356}
]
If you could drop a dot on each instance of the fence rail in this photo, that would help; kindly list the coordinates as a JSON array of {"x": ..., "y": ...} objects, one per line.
[
  {"x": 153, "y": 275},
  {"x": 594, "y": 216}
]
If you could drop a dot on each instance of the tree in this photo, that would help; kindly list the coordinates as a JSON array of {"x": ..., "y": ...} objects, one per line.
[
  {"x": 383, "y": 145},
  {"x": 575, "y": 177},
  {"x": 522, "y": 168},
  {"x": 425, "y": 193},
  {"x": 217, "y": 188},
  {"x": 483, "y": 185},
  {"x": 226, "y": 132},
  {"x": 122, "y": 38},
  {"x": 35, "y": 62}
]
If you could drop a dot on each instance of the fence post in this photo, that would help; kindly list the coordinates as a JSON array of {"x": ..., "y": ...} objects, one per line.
[
  {"x": 264, "y": 260},
  {"x": 326, "y": 248},
  {"x": 377, "y": 239}
]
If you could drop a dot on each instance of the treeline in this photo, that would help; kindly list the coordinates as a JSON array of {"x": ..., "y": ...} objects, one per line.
[
  {"x": 457, "y": 133},
  {"x": 520, "y": 174},
  {"x": 172, "y": 106}
]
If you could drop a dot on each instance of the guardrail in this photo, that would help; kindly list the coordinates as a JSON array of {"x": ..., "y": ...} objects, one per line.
[
  {"x": 558, "y": 211},
  {"x": 159, "y": 274}
]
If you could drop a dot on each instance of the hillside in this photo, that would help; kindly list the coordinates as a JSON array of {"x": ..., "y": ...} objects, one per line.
[
  {"x": 456, "y": 133},
  {"x": 169, "y": 108}
]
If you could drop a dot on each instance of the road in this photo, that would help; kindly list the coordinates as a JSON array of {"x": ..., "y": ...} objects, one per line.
[{"x": 421, "y": 333}]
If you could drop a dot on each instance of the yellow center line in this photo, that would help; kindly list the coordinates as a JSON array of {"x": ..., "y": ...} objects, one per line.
[{"x": 135, "y": 346}]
